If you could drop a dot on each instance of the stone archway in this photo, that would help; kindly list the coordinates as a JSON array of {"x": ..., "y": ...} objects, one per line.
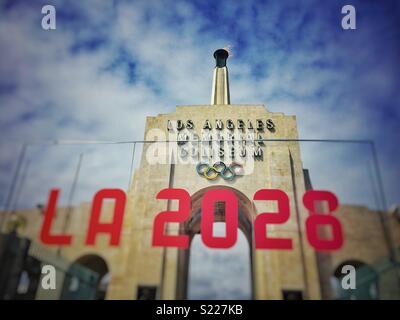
[
  {"x": 367, "y": 282},
  {"x": 246, "y": 213},
  {"x": 79, "y": 285}
]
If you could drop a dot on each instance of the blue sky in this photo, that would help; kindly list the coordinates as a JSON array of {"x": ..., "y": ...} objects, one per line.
[{"x": 109, "y": 64}]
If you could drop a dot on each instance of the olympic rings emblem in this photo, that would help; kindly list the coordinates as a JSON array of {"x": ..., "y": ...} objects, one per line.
[{"x": 218, "y": 169}]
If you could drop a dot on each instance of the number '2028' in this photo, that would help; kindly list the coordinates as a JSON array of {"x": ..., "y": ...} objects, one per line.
[{"x": 261, "y": 239}]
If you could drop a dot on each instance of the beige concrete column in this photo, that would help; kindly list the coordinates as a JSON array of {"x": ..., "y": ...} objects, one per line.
[{"x": 220, "y": 85}]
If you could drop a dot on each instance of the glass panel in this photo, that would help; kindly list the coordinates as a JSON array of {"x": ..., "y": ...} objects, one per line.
[{"x": 347, "y": 170}]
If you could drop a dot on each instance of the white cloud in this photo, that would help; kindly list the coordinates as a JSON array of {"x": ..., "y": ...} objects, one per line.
[{"x": 63, "y": 94}]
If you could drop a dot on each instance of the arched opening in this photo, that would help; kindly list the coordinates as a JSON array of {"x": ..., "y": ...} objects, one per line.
[
  {"x": 219, "y": 273},
  {"x": 241, "y": 267},
  {"x": 29, "y": 279},
  {"x": 366, "y": 282},
  {"x": 87, "y": 278}
]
